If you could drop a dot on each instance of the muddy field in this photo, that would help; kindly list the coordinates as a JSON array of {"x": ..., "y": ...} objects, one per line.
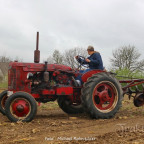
[{"x": 52, "y": 125}]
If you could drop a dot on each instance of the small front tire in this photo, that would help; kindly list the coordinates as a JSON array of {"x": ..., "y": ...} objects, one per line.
[
  {"x": 3, "y": 98},
  {"x": 20, "y": 106}
]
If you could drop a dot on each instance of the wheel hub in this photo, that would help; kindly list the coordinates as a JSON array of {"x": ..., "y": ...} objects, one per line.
[
  {"x": 104, "y": 96},
  {"x": 20, "y": 107}
]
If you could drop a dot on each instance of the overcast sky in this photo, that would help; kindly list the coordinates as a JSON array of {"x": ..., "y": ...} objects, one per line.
[{"x": 64, "y": 24}]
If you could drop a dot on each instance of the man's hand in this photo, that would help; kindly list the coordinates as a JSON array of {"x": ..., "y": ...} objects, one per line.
[{"x": 87, "y": 60}]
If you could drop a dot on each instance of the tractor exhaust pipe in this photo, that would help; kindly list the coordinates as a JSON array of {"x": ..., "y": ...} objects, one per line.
[{"x": 37, "y": 52}]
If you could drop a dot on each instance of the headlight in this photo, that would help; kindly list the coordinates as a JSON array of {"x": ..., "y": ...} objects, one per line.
[{"x": 29, "y": 76}]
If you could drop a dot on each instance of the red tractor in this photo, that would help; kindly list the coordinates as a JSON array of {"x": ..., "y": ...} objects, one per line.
[{"x": 28, "y": 83}]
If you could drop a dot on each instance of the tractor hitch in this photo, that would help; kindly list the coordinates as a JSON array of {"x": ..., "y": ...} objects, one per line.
[{"x": 137, "y": 94}]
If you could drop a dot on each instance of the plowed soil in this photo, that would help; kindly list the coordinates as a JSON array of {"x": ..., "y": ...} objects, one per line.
[{"x": 52, "y": 125}]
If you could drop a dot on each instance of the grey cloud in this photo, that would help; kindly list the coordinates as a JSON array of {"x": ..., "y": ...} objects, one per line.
[{"x": 63, "y": 24}]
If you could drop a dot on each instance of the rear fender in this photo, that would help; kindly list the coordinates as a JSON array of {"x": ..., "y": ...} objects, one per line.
[{"x": 88, "y": 74}]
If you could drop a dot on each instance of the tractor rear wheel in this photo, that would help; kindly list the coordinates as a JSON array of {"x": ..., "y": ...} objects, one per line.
[
  {"x": 68, "y": 107},
  {"x": 20, "y": 106},
  {"x": 3, "y": 98},
  {"x": 102, "y": 96}
]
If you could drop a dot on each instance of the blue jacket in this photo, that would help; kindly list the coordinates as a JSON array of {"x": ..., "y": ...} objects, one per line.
[{"x": 95, "y": 61}]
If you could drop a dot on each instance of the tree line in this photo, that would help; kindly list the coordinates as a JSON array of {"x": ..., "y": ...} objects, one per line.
[
  {"x": 127, "y": 61},
  {"x": 123, "y": 58}
]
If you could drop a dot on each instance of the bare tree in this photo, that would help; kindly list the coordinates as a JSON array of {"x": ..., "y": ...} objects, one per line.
[
  {"x": 4, "y": 62},
  {"x": 50, "y": 60},
  {"x": 69, "y": 56},
  {"x": 57, "y": 57},
  {"x": 5, "y": 59},
  {"x": 127, "y": 57},
  {"x": 18, "y": 59}
]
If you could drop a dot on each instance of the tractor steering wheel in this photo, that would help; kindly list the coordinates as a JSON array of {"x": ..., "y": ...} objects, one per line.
[{"x": 81, "y": 63}]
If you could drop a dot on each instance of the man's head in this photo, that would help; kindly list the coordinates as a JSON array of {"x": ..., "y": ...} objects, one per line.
[{"x": 90, "y": 50}]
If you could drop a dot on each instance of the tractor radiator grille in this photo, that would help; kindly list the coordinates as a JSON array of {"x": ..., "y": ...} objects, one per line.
[{"x": 12, "y": 79}]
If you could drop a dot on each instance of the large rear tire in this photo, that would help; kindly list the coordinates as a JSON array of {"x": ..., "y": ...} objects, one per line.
[
  {"x": 3, "y": 98},
  {"x": 68, "y": 107},
  {"x": 20, "y": 106},
  {"x": 102, "y": 96}
]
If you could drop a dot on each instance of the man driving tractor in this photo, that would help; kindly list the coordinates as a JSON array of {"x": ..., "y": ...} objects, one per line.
[{"x": 94, "y": 61}]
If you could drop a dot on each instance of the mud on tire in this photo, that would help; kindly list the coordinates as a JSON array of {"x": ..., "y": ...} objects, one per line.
[{"x": 102, "y": 96}]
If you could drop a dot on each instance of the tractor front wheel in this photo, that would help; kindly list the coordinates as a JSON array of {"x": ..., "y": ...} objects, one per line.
[
  {"x": 68, "y": 107},
  {"x": 102, "y": 96},
  {"x": 20, "y": 106},
  {"x": 3, "y": 98}
]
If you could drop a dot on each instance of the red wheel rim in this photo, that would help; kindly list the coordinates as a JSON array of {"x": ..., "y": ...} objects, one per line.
[
  {"x": 105, "y": 96},
  {"x": 20, "y": 108},
  {"x": 3, "y": 101}
]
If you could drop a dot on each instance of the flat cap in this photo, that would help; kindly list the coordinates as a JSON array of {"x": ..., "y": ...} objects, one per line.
[{"x": 90, "y": 48}]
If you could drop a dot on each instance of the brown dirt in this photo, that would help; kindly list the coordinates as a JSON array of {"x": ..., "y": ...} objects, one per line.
[{"x": 52, "y": 125}]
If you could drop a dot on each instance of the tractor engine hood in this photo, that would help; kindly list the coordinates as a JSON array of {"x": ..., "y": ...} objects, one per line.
[{"x": 35, "y": 67}]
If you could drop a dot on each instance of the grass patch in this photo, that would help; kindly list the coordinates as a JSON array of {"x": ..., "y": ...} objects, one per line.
[
  {"x": 49, "y": 105},
  {"x": 4, "y": 85}
]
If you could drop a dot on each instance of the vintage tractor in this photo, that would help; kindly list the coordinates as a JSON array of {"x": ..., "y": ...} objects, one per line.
[{"x": 100, "y": 95}]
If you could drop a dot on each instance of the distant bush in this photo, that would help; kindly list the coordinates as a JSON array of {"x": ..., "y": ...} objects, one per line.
[
  {"x": 129, "y": 74},
  {"x": 125, "y": 74}
]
